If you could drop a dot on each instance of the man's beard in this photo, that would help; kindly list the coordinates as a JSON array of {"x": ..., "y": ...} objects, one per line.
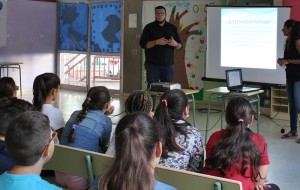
[{"x": 160, "y": 22}]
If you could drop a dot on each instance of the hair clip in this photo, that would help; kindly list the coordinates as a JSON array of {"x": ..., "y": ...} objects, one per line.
[
  {"x": 74, "y": 126},
  {"x": 165, "y": 102},
  {"x": 240, "y": 121},
  {"x": 88, "y": 99}
]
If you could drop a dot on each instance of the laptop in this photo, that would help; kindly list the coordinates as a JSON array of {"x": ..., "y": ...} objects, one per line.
[{"x": 234, "y": 81}]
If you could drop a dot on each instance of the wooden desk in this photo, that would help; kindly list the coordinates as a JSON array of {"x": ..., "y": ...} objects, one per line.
[
  {"x": 12, "y": 65},
  {"x": 223, "y": 94},
  {"x": 187, "y": 92}
]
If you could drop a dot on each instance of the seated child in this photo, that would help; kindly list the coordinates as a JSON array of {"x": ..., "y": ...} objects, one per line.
[
  {"x": 9, "y": 109},
  {"x": 8, "y": 87},
  {"x": 45, "y": 91},
  {"x": 238, "y": 153},
  {"x": 88, "y": 129},
  {"x": 137, "y": 101},
  {"x": 138, "y": 150},
  {"x": 182, "y": 143},
  {"x": 30, "y": 143}
]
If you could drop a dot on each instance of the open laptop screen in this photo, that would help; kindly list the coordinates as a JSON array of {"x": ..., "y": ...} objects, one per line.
[{"x": 234, "y": 78}]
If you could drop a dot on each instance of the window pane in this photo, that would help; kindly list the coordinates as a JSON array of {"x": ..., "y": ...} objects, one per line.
[
  {"x": 105, "y": 71},
  {"x": 73, "y": 69}
]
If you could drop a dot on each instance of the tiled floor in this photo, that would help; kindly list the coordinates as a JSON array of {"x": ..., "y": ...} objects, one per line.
[{"x": 284, "y": 153}]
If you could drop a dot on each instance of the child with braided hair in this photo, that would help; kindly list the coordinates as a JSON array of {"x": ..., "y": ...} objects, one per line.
[
  {"x": 137, "y": 101},
  {"x": 88, "y": 129}
]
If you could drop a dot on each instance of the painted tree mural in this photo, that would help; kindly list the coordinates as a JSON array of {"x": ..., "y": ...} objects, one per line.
[{"x": 180, "y": 75}]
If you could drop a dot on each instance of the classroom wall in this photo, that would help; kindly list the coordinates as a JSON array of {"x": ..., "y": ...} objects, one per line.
[
  {"x": 31, "y": 39},
  {"x": 295, "y": 11},
  {"x": 132, "y": 53}
]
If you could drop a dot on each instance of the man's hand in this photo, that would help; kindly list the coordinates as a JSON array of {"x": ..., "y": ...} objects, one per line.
[
  {"x": 172, "y": 42},
  {"x": 161, "y": 41}
]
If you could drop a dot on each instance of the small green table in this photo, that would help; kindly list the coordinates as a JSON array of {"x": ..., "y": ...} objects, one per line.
[{"x": 223, "y": 93}]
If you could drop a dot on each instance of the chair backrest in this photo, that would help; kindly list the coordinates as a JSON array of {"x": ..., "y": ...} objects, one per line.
[
  {"x": 89, "y": 164},
  {"x": 182, "y": 179}
]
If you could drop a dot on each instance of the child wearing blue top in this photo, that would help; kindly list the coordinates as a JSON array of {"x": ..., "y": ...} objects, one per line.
[
  {"x": 88, "y": 129},
  {"x": 30, "y": 143},
  {"x": 138, "y": 150}
]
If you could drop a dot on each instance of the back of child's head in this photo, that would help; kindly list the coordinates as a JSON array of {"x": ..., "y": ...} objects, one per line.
[
  {"x": 42, "y": 86},
  {"x": 27, "y": 137},
  {"x": 9, "y": 109},
  {"x": 7, "y": 87},
  {"x": 172, "y": 104},
  {"x": 238, "y": 110},
  {"x": 169, "y": 110},
  {"x": 136, "y": 132},
  {"x": 136, "y": 140},
  {"x": 96, "y": 99},
  {"x": 138, "y": 101}
]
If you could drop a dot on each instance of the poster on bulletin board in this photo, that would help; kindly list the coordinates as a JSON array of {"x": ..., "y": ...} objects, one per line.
[
  {"x": 190, "y": 19},
  {"x": 3, "y": 20}
]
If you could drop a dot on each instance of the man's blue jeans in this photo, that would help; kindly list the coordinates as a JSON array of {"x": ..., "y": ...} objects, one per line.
[{"x": 159, "y": 73}]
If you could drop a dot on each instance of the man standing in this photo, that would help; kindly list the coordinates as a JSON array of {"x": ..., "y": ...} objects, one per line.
[{"x": 159, "y": 39}]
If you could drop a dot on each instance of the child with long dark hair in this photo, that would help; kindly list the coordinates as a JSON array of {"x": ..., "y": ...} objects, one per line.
[
  {"x": 45, "y": 91},
  {"x": 236, "y": 152},
  {"x": 138, "y": 151},
  {"x": 88, "y": 129},
  {"x": 182, "y": 143}
]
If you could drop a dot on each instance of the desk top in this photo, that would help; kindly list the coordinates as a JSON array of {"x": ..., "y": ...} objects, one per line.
[
  {"x": 186, "y": 91},
  {"x": 224, "y": 90},
  {"x": 10, "y": 63}
]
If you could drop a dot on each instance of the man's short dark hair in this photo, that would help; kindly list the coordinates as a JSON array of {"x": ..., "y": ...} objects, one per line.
[
  {"x": 9, "y": 109},
  {"x": 27, "y": 136},
  {"x": 160, "y": 7}
]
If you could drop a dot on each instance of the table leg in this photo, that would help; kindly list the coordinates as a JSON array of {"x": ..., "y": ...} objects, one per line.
[
  {"x": 258, "y": 113},
  {"x": 223, "y": 110},
  {"x": 194, "y": 110},
  {"x": 20, "y": 79},
  {"x": 207, "y": 118}
]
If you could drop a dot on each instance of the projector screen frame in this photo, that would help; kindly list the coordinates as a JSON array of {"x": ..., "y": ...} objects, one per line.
[{"x": 279, "y": 70}]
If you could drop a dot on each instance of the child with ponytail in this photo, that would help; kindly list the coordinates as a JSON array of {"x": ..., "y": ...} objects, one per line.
[
  {"x": 181, "y": 142},
  {"x": 238, "y": 153},
  {"x": 88, "y": 129},
  {"x": 45, "y": 91},
  {"x": 138, "y": 150}
]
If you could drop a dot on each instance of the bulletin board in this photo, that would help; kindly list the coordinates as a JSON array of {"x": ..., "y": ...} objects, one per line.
[{"x": 190, "y": 19}]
